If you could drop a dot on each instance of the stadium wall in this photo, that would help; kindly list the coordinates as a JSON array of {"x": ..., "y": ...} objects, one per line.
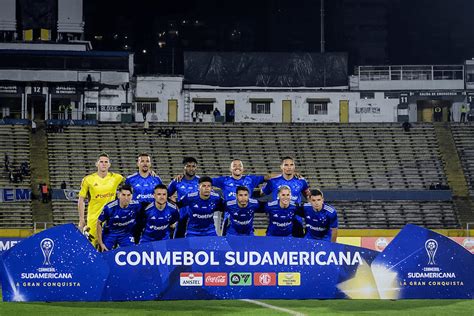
[{"x": 158, "y": 91}]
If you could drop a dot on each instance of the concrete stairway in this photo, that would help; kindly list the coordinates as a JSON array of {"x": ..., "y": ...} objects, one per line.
[{"x": 42, "y": 212}]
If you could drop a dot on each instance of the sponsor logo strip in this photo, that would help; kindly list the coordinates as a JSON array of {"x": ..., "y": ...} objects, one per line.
[
  {"x": 264, "y": 278},
  {"x": 215, "y": 279},
  {"x": 190, "y": 279},
  {"x": 289, "y": 278},
  {"x": 240, "y": 278}
]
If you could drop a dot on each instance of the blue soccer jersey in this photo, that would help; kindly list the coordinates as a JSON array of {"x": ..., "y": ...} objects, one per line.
[
  {"x": 119, "y": 223},
  {"x": 183, "y": 187},
  {"x": 143, "y": 187},
  {"x": 319, "y": 224},
  {"x": 241, "y": 218},
  {"x": 157, "y": 222},
  {"x": 229, "y": 184},
  {"x": 280, "y": 220},
  {"x": 200, "y": 213},
  {"x": 297, "y": 186}
]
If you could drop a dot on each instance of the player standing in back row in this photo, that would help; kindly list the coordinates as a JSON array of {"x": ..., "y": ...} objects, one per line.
[
  {"x": 186, "y": 183},
  {"x": 143, "y": 183},
  {"x": 100, "y": 188},
  {"x": 298, "y": 186}
]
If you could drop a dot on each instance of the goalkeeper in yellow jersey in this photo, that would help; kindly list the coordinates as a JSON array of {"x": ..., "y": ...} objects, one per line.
[{"x": 99, "y": 188}]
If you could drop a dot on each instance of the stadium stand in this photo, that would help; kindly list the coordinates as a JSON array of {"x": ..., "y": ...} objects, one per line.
[
  {"x": 463, "y": 135},
  {"x": 16, "y": 215},
  {"x": 331, "y": 156},
  {"x": 15, "y": 142}
]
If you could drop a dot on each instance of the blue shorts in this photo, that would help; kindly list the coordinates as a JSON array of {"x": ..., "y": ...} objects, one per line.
[
  {"x": 114, "y": 240},
  {"x": 191, "y": 233},
  {"x": 232, "y": 232},
  {"x": 146, "y": 238}
]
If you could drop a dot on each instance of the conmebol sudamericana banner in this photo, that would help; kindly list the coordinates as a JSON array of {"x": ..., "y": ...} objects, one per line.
[{"x": 59, "y": 264}]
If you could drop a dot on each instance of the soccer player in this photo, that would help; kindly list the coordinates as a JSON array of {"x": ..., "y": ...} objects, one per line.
[
  {"x": 228, "y": 184},
  {"x": 144, "y": 181},
  {"x": 198, "y": 210},
  {"x": 119, "y": 217},
  {"x": 160, "y": 216},
  {"x": 100, "y": 188},
  {"x": 281, "y": 213},
  {"x": 320, "y": 218},
  {"x": 186, "y": 183},
  {"x": 241, "y": 213},
  {"x": 298, "y": 186}
]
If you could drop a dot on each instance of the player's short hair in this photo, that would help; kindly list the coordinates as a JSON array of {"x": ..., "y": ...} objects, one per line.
[
  {"x": 143, "y": 155},
  {"x": 160, "y": 186},
  {"x": 286, "y": 158},
  {"x": 317, "y": 192},
  {"x": 284, "y": 187},
  {"x": 103, "y": 154},
  {"x": 125, "y": 187},
  {"x": 242, "y": 188},
  {"x": 236, "y": 159},
  {"x": 205, "y": 179},
  {"x": 187, "y": 160}
]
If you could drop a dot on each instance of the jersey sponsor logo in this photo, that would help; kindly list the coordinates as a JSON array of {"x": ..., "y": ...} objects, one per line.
[
  {"x": 203, "y": 216},
  {"x": 318, "y": 229},
  {"x": 103, "y": 196},
  {"x": 282, "y": 224},
  {"x": 145, "y": 196},
  {"x": 289, "y": 278},
  {"x": 154, "y": 227},
  {"x": 264, "y": 278},
  {"x": 125, "y": 223},
  {"x": 240, "y": 278},
  {"x": 190, "y": 279},
  {"x": 242, "y": 222},
  {"x": 215, "y": 279}
]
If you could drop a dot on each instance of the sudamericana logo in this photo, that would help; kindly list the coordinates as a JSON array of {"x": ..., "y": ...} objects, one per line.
[
  {"x": 190, "y": 279},
  {"x": 240, "y": 278},
  {"x": 47, "y": 246},
  {"x": 289, "y": 278},
  {"x": 215, "y": 279},
  {"x": 264, "y": 278}
]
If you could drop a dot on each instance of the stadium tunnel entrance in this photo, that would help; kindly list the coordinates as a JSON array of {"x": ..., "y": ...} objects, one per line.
[
  {"x": 36, "y": 107},
  {"x": 434, "y": 110}
]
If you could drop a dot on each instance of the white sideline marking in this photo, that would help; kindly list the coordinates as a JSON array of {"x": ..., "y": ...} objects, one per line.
[{"x": 280, "y": 309}]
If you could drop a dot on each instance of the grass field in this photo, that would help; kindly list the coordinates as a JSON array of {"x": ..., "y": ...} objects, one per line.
[{"x": 293, "y": 307}]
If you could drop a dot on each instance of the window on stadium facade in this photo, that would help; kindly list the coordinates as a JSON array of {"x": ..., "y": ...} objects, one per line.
[
  {"x": 367, "y": 95},
  {"x": 149, "y": 107},
  {"x": 260, "y": 107},
  {"x": 205, "y": 108},
  {"x": 320, "y": 108}
]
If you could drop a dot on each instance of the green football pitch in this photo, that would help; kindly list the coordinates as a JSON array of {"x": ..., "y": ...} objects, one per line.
[{"x": 238, "y": 307}]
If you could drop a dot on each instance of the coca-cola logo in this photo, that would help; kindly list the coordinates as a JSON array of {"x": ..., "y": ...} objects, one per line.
[{"x": 215, "y": 279}]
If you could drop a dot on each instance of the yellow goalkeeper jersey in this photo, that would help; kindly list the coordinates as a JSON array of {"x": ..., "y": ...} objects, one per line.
[{"x": 99, "y": 191}]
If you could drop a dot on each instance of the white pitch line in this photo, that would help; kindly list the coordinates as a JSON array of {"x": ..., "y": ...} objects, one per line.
[{"x": 280, "y": 309}]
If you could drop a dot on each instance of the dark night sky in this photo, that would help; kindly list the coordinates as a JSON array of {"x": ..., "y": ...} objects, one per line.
[{"x": 371, "y": 31}]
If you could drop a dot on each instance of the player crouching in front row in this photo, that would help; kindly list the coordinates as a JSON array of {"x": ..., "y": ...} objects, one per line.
[
  {"x": 119, "y": 218},
  {"x": 160, "y": 216}
]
